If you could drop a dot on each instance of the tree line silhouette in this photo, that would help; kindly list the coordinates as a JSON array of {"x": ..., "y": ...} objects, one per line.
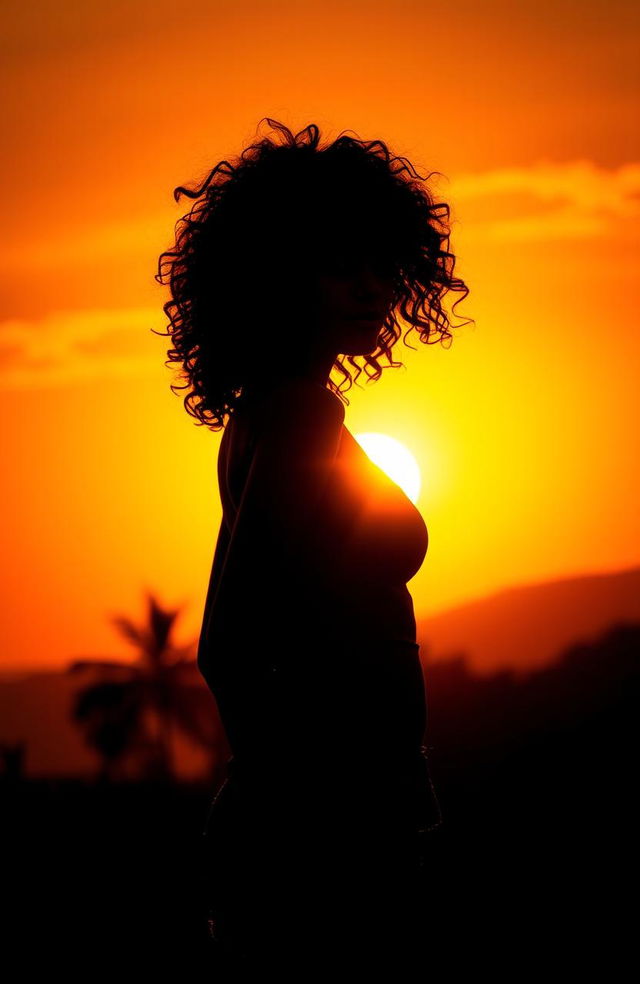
[{"x": 128, "y": 712}]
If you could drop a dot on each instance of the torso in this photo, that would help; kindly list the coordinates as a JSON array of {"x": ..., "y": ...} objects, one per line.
[
  {"x": 356, "y": 651},
  {"x": 381, "y": 509},
  {"x": 349, "y": 693},
  {"x": 389, "y": 538}
]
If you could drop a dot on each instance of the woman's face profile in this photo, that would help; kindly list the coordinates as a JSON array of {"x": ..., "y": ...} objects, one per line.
[{"x": 351, "y": 296}]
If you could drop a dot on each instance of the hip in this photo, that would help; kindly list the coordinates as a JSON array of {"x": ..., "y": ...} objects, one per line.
[{"x": 307, "y": 799}]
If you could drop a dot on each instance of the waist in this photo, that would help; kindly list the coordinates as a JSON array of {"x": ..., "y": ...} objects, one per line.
[
  {"x": 312, "y": 759},
  {"x": 400, "y": 785},
  {"x": 384, "y": 616}
]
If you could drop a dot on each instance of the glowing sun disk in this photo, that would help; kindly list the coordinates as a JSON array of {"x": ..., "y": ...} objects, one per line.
[{"x": 394, "y": 459}]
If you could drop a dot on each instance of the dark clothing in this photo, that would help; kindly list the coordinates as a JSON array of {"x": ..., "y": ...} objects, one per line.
[
  {"x": 315, "y": 841},
  {"x": 297, "y": 873}
]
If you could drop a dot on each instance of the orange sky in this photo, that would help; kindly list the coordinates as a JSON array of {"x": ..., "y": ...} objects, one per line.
[{"x": 525, "y": 429}]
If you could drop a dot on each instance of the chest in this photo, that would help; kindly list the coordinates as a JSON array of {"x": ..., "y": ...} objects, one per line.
[{"x": 386, "y": 534}]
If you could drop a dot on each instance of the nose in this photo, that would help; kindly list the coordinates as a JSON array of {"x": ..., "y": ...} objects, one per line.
[{"x": 371, "y": 290}]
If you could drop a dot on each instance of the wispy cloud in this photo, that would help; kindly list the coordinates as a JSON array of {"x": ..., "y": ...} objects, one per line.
[
  {"x": 146, "y": 235},
  {"x": 542, "y": 202},
  {"x": 76, "y": 346},
  {"x": 547, "y": 201}
]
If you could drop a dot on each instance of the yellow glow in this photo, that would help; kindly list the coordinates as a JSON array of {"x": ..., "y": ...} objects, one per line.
[
  {"x": 524, "y": 429},
  {"x": 395, "y": 459}
]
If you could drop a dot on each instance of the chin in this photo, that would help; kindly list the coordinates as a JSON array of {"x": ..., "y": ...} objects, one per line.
[
  {"x": 370, "y": 348},
  {"x": 361, "y": 346}
]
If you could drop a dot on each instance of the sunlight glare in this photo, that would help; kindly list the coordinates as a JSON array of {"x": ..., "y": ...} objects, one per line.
[{"x": 394, "y": 459}]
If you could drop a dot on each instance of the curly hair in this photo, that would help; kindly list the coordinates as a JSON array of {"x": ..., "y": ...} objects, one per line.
[{"x": 239, "y": 272}]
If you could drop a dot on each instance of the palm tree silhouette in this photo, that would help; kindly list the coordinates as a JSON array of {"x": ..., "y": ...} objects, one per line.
[{"x": 130, "y": 711}]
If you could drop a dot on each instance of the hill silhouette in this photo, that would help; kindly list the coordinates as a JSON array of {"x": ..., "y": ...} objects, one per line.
[
  {"x": 516, "y": 630},
  {"x": 526, "y": 626}
]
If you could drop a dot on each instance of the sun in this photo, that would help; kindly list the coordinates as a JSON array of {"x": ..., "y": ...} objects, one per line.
[{"x": 394, "y": 459}]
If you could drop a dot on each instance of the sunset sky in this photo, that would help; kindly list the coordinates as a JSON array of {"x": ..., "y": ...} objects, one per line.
[{"x": 525, "y": 429}]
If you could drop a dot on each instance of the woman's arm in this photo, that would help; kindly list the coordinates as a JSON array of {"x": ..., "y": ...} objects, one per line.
[
  {"x": 219, "y": 556},
  {"x": 274, "y": 540}
]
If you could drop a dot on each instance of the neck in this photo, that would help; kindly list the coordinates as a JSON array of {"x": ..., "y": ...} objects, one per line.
[{"x": 316, "y": 369}]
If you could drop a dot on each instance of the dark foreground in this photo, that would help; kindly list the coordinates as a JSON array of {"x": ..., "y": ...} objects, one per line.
[
  {"x": 533, "y": 869},
  {"x": 519, "y": 874}
]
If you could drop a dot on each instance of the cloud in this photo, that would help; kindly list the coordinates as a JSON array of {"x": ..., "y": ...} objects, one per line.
[
  {"x": 547, "y": 201},
  {"x": 101, "y": 242},
  {"x": 78, "y": 346},
  {"x": 542, "y": 202}
]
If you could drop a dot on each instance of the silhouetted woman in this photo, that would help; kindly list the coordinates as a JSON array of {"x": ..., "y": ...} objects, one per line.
[{"x": 296, "y": 260}]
